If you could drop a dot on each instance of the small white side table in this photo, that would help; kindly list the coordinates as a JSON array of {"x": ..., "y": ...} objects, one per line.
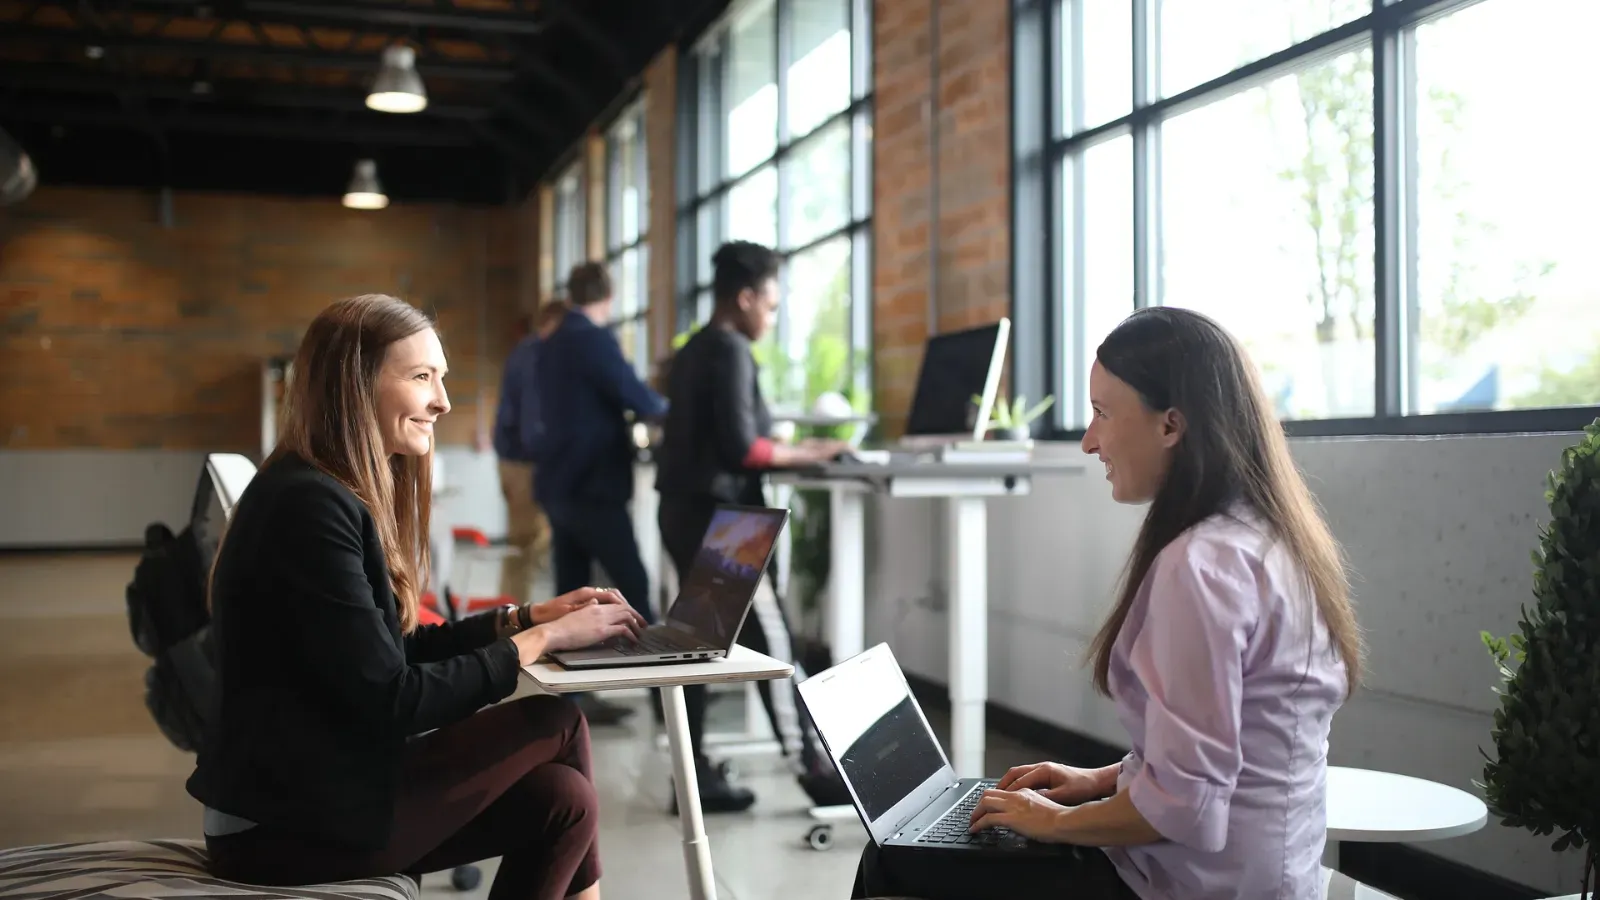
[
  {"x": 1368, "y": 806},
  {"x": 741, "y": 664}
]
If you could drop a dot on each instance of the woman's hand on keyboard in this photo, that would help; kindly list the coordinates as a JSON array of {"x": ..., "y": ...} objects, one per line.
[
  {"x": 572, "y": 601},
  {"x": 593, "y": 624},
  {"x": 1025, "y": 812},
  {"x": 1066, "y": 785}
]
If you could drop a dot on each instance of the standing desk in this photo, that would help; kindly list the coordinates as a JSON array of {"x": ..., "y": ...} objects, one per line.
[
  {"x": 966, "y": 488},
  {"x": 741, "y": 664}
]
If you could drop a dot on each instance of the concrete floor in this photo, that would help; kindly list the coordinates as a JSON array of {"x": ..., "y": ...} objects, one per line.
[{"x": 80, "y": 758}]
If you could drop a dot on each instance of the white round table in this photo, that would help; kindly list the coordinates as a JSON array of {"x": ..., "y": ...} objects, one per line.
[{"x": 1382, "y": 807}]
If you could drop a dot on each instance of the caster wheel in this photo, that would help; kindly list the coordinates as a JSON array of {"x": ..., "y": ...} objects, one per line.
[
  {"x": 820, "y": 837},
  {"x": 465, "y": 878}
]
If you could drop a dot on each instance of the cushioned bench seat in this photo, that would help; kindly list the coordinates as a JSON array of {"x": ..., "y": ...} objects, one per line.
[{"x": 156, "y": 870}]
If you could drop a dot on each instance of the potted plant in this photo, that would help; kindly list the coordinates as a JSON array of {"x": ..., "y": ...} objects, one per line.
[
  {"x": 1011, "y": 421},
  {"x": 1545, "y": 776}
]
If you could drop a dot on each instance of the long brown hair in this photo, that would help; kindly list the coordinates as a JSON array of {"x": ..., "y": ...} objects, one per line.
[
  {"x": 331, "y": 422},
  {"x": 1233, "y": 450}
]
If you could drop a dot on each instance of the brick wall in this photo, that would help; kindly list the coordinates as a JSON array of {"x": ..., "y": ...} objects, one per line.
[
  {"x": 973, "y": 104},
  {"x": 117, "y": 332}
]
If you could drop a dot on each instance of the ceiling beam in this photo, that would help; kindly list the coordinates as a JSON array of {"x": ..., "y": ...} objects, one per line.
[
  {"x": 75, "y": 79},
  {"x": 223, "y": 50},
  {"x": 518, "y": 112},
  {"x": 520, "y": 157},
  {"x": 578, "y": 20},
  {"x": 359, "y": 14},
  {"x": 295, "y": 129}
]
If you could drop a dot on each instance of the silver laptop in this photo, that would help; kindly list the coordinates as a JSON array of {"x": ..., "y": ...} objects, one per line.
[
  {"x": 712, "y": 602},
  {"x": 899, "y": 779}
]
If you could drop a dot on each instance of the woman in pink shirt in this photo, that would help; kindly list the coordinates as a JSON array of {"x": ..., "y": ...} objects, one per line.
[{"x": 1231, "y": 645}]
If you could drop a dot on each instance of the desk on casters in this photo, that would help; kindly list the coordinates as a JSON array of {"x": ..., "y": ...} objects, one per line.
[
  {"x": 741, "y": 664},
  {"x": 966, "y": 487}
]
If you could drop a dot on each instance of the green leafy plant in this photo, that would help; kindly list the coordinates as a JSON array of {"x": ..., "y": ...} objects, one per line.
[
  {"x": 1015, "y": 415},
  {"x": 1545, "y": 776}
]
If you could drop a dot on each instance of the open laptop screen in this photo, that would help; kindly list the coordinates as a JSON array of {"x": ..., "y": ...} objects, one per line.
[
  {"x": 874, "y": 730},
  {"x": 715, "y": 595}
]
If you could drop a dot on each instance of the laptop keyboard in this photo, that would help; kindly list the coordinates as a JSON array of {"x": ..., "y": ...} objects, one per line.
[
  {"x": 655, "y": 640},
  {"x": 952, "y": 827}
]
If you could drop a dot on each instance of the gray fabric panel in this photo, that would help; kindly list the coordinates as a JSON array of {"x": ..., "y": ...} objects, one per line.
[{"x": 157, "y": 870}]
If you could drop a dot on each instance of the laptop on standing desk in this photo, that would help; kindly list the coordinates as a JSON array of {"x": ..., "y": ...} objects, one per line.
[
  {"x": 712, "y": 602},
  {"x": 899, "y": 778}
]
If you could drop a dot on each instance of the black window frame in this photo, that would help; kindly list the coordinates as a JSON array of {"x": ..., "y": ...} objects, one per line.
[
  {"x": 1038, "y": 262},
  {"x": 699, "y": 131}
]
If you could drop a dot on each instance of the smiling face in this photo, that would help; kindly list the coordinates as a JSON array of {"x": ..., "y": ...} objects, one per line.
[
  {"x": 1134, "y": 441},
  {"x": 410, "y": 393}
]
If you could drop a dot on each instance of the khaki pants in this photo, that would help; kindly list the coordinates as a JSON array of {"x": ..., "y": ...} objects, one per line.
[{"x": 527, "y": 532}]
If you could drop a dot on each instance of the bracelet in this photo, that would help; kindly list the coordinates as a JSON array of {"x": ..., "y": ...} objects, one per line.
[{"x": 525, "y": 616}]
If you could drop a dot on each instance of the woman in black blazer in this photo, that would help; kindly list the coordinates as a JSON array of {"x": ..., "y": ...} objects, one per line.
[{"x": 316, "y": 765}]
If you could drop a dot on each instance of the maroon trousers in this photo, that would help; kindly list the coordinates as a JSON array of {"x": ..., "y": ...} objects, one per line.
[{"x": 512, "y": 781}]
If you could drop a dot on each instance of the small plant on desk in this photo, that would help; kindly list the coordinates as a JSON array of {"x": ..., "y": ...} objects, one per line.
[
  {"x": 1010, "y": 421},
  {"x": 1547, "y": 730}
]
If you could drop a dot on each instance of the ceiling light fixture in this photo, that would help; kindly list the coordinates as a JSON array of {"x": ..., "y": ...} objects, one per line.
[
  {"x": 364, "y": 191},
  {"x": 398, "y": 87}
]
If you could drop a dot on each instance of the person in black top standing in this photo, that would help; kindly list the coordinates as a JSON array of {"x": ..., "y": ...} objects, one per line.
[
  {"x": 348, "y": 740},
  {"x": 716, "y": 441}
]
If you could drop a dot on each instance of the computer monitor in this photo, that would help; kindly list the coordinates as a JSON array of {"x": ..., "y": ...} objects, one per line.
[{"x": 957, "y": 367}]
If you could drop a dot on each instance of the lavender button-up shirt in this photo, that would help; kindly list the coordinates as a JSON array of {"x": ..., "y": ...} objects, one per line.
[{"x": 1225, "y": 680}]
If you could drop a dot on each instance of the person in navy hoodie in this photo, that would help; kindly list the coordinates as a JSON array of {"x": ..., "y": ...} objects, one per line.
[
  {"x": 517, "y": 426},
  {"x": 587, "y": 390}
]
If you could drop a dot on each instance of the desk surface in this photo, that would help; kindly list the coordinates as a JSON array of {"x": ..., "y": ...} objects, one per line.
[
  {"x": 1366, "y": 805},
  {"x": 855, "y": 471},
  {"x": 741, "y": 664}
]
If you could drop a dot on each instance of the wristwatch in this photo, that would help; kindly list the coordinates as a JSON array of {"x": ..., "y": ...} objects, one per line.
[{"x": 514, "y": 618}]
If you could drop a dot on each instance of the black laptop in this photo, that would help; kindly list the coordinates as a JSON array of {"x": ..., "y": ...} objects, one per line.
[{"x": 899, "y": 779}]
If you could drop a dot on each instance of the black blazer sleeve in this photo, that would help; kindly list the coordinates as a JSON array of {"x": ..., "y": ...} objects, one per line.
[
  {"x": 733, "y": 404},
  {"x": 342, "y": 639},
  {"x": 431, "y": 643}
]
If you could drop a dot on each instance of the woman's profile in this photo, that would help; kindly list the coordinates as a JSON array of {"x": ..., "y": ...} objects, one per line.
[{"x": 350, "y": 741}]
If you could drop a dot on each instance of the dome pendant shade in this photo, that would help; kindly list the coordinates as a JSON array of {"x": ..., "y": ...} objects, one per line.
[
  {"x": 398, "y": 88},
  {"x": 364, "y": 191}
]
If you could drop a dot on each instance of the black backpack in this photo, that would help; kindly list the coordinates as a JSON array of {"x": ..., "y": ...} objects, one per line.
[{"x": 170, "y": 623}]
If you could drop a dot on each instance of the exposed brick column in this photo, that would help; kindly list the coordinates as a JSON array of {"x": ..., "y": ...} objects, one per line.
[
  {"x": 973, "y": 104},
  {"x": 661, "y": 145}
]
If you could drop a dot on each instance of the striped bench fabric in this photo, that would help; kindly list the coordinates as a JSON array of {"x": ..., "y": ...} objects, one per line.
[{"x": 157, "y": 870}]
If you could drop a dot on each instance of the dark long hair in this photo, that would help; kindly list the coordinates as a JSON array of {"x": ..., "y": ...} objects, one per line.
[{"x": 1233, "y": 450}]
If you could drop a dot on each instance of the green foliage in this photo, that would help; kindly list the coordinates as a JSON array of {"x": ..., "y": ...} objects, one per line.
[
  {"x": 1015, "y": 414},
  {"x": 1560, "y": 386},
  {"x": 1545, "y": 775}
]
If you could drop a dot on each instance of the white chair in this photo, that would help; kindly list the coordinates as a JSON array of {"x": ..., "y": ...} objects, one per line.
[{"x": 230, "y": 475}]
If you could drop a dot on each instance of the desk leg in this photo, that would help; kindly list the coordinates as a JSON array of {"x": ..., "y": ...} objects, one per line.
[
  {"x": 696, "y": 848},
  {"x": 847, "y": 594},
  {"x": 967, "y": 556}
]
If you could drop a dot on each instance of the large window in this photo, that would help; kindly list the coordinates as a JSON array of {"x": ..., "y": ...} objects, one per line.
[
  {"x": 627, "y": 223},
  {"x": 774, "y": 129},
  {"x": 1385, "y": 201},
  {"x": 570, "y": 247}
]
